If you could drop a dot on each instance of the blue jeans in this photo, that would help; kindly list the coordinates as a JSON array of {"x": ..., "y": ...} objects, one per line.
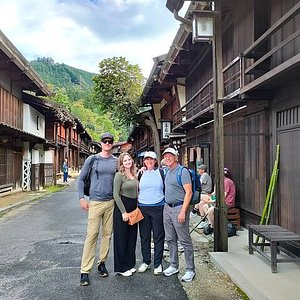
[{"x": 65, "y": 176}]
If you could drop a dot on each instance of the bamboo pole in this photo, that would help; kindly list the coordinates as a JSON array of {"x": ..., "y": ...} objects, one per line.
[{"x": 269, "y": 199}]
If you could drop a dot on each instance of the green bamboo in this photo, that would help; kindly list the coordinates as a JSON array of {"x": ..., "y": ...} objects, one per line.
[
  {"x": 262, "y": 219},
  {"x": 271, "y": 198},
  {"x": 268, "y": 203},
  {"x": 271, "y": 186}
]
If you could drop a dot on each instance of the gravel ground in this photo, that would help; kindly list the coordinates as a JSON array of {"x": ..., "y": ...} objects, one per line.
[{"x": 209, "y": 283}]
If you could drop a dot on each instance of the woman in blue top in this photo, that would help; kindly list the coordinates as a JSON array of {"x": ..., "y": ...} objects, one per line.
[{"x": 151, "y": 202}]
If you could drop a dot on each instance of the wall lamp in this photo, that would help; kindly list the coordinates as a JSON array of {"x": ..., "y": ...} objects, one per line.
[{"x": 203, "y": 26}]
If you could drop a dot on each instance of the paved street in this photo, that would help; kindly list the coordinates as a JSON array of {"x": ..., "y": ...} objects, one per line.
[{"x": 40, "y": 253}]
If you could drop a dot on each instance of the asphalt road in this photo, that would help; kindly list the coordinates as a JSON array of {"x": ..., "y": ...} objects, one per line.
[{"x": 40, "y": 252}]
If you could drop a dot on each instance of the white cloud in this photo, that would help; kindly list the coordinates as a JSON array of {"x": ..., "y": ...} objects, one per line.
[
  {"x": 138, "y": 19},
  {"x": 81, "y": 33}
]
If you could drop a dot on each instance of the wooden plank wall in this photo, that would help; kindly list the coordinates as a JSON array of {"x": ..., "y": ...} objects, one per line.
[
  {"x": 10, "y": 166},
  {"x": 278, "y": 9},
  {"x": 170, "y": 108},
  {"x": 287, "y": 126},
  {"x": 246, "y": 156},
  {"x": 11, "y": 109}
]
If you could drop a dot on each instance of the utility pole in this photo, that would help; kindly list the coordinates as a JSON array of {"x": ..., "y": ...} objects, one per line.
[{"x": 220, "y": 212}]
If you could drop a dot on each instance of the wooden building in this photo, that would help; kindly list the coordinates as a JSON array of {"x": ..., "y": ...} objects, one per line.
[
  {"x": 35, "y": 135},
  {"x": 261, "y": 84}
]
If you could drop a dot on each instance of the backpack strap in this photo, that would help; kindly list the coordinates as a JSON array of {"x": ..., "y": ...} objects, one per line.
[
  {"x": 192, "y": 176},
  {"x": 162, "y": 174},
  {"x": 179, "y": 175},
  {"x": 139, "y": 176},
  {"x": 91, "y": 164}
]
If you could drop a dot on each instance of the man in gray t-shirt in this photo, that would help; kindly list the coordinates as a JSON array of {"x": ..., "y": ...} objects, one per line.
[
  {"x": 99, "y": 207},
  {"x": 205, "y": 179},
  {"x": 176, "y": 217}
]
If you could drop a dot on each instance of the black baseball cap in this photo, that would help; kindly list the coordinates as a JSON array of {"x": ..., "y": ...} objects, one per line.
[{"x": 107, "y": 135}]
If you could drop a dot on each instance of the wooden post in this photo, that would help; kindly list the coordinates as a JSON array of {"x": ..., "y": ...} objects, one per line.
[{"x": 220, "y": 213}]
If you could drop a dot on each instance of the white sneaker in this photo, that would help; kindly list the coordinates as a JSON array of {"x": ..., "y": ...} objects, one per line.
[
  {"x": 126, "y": 273},
  {"x": 143, "y": 268},
  {"x": 202, "y": 224},
  {"x": 170, "y": 271},
  {"x": 188, "y": 276},
  {"x": 133, "y": 270},
  {"x": 158, "y": 270},
  {"x": 192, "y": 215}
]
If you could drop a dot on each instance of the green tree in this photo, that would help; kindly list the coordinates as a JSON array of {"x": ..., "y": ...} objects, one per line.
[
  {"x": 62, "y": 98},
  {"x": 95, "y": 123},
  {"x": 118, "y": 87}
]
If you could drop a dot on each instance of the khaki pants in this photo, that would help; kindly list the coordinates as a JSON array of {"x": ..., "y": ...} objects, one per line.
[{"x": 100, "y": 213}]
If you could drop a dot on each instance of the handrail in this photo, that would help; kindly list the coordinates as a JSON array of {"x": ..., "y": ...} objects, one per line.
[
  {"x": 233, "y": 62},
  {"x": 275, "y": 49},
  {"x": 234, "y": 76},
  {"x": 195, "y": 95},
  {"x": 283, "y": 20}
]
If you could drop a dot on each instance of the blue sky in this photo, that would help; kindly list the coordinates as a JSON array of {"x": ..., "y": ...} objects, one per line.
[{"x": 82, "y": 33}]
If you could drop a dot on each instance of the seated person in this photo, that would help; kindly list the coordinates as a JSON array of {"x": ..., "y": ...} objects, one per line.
[
  {"x": 206, "y": 187},
  {"x": 229, "y": 194}
]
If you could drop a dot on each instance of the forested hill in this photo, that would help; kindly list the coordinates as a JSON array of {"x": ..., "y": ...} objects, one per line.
[
  {"x": 74, "y": 89},
  {"x": 77, "y": 83}
]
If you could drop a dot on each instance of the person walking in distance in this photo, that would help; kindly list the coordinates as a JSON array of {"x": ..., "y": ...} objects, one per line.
[
  {"x": 99, "y": 207},
  {"x": 65, "y": 170},
  {"x": 176, "y": 216},
  {"x": 125, "y": 235}
]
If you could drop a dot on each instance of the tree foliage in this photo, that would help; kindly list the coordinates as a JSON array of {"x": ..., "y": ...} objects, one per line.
[
  {"x": 78, "y": 84},
  {"x": 118, "y": 88},
  {"x": 74, "y": 89},
  {"x": 62, "y": 98},
  {"x": 94, "y": 123}
]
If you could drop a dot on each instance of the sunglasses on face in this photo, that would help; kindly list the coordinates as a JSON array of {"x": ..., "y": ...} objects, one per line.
[{"x": 107, "y": 141}]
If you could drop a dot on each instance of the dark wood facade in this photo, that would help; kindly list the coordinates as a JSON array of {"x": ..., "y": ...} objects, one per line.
[
  {"x": 35, "y": 135},
  {"x": 141, "y": 140},
  {"x": 64, "y": 134},
  {"x": 261, "y": 68}
]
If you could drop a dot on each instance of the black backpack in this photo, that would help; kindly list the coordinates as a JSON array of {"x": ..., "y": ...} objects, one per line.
[
  {"x": 207, "y": 229},
  {"x": 87, "y": 179},
  {"x": 231, "y": 230}
]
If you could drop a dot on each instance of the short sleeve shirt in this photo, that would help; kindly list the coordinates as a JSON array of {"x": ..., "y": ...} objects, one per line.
[
  {"x": 206, "y": 183},
  {"x": 229, "y": 189},
  {"x": 174, "y": 192}
]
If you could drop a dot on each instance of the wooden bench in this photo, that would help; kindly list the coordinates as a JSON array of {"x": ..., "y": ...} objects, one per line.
[
  {"x": 234, "y": 217},
  {"x": 6, "y": 188},
  {"x": 276, "y": 237}
]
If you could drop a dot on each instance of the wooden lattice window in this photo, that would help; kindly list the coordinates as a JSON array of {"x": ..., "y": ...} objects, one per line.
[{"x": 288, "y": 117}]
